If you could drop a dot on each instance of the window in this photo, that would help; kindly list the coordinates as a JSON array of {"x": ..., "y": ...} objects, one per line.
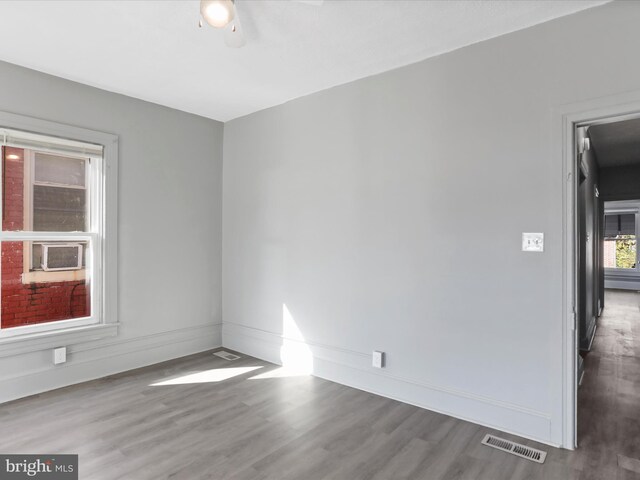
[
  {"x": 53, "y": 233},
  {"x": 620, "y": 242}
]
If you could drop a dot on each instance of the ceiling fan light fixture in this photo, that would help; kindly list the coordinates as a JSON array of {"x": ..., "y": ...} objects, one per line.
[{"x": 217, "y": 13}]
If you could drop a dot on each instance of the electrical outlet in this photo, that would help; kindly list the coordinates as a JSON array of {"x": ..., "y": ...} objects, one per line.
[
  {"x": 59, "y": 355},
  {"x": 378, "y": 359}
]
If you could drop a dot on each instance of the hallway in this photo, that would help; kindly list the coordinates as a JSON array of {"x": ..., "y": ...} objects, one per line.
[{"x": 609, "y": 398}]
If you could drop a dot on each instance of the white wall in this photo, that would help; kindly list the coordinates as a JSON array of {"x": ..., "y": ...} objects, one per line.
[
  {"x": 170, "y": 193},
  {"x": 387, "y": 214}
]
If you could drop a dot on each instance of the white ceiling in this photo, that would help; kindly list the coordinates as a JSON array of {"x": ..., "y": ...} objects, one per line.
[{"x": 153, "y": 50}]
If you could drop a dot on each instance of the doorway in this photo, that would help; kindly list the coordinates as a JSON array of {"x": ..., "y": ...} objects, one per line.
[{"x": 606, "y": 295}]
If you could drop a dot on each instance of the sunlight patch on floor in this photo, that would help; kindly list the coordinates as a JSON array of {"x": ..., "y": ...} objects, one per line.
[
  {"x": 281, "y": 372},
  {"x": 206, "y": 376}
]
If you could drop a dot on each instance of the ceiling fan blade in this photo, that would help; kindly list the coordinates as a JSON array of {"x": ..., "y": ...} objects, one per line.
[{"x": 234, "y": 33}]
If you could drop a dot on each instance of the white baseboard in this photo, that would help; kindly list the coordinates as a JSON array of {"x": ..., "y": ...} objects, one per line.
[
  {"x": 353, "y": 369},
  {"x": 91, "y": 361}
]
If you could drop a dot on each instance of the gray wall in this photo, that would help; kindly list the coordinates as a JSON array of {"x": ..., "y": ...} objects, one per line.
[
  {"x": 387, "y": 214},
  {"x": 169, "y": 230}
]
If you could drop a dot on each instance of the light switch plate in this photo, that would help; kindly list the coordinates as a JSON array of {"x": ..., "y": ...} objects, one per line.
[{"x": 533, "y": 242}]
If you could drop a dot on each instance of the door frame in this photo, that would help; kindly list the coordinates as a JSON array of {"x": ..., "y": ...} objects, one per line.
[{"x": 567, "y": 118}]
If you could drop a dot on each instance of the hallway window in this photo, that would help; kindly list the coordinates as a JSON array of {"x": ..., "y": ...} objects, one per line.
[{"x": 620, "y": 243}]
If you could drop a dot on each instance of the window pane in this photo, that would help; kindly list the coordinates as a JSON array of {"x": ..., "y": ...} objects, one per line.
[
  {"x": 43, "y": 192},
  {"x": 32, "y": 297},
  {"x": 620, "y": 252},
  {"x": 59, "y": 209},
  {"x": 54, "y": 169}
]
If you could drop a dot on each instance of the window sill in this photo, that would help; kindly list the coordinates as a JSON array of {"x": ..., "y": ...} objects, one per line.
[
  {"x": 35, "y": 342},
  {"x": 621, "y": 272},
  {"x": 38, "y": 276}
]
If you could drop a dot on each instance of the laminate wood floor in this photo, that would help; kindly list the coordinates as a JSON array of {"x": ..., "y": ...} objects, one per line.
[
  {"x": 609, "y": 397},
  {"x": 202, "y": 417}
]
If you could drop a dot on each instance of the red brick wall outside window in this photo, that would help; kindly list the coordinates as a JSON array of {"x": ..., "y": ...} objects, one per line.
[{"x": 30, "y": 303}]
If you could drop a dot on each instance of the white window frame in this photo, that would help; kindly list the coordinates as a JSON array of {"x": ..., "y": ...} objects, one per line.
[{"x": 102, "y": 232}]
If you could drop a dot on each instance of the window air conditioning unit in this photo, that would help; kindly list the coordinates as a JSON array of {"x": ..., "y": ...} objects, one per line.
[{"x": 61, "y": 256}]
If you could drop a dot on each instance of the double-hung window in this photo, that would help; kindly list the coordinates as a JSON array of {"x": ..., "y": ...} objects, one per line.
[
  {"x": 53, "y": 233},
  {"x": 620, "y": 241}
]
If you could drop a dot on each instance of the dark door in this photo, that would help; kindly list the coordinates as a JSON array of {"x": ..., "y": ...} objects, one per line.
[{"x": 588, "y": 246}]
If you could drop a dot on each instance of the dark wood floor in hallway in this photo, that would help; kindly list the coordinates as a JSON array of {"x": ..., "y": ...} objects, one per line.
[
  {"x": 202, "y": 417},
  {"x": 609, "y": 397}
]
